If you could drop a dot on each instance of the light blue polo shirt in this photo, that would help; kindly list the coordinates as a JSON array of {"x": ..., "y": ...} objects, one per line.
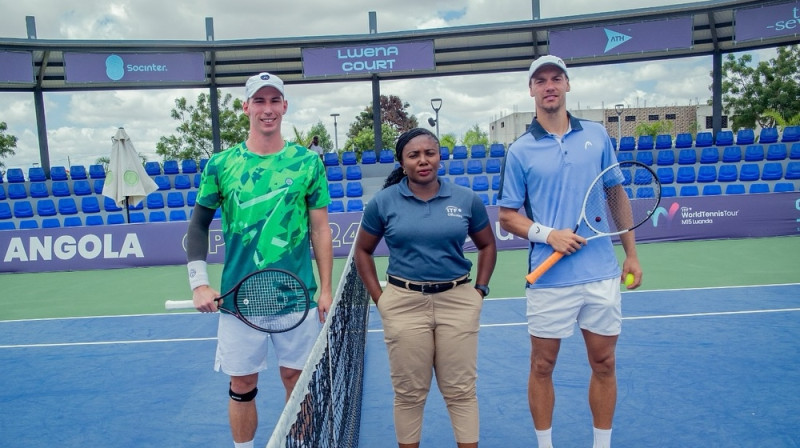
[
  {"x": 547, "y": 177},
  {"x": 425, "y": 238}
]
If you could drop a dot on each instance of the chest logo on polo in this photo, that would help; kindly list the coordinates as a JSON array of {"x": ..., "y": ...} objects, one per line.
[
  {"x": 587, "y": 144},
  {"x": 453, "y": 211}
]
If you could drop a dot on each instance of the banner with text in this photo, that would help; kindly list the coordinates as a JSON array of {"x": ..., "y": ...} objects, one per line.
[
  {"x": 374, "y": 58},
  {"x": 767, "y": 21},
  {"x": 134, "y": 67}
]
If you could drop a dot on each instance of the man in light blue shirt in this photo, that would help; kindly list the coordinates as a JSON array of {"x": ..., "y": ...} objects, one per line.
[{"x": 545, "y": 177}]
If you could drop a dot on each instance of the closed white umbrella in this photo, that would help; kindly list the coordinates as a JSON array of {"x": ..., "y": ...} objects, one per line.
[{"x": 126, "y": 180}]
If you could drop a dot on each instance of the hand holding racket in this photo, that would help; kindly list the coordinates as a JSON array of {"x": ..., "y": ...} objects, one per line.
[
  {"x": 269, "y": 300},
  {"x": 608, "y": 209}
]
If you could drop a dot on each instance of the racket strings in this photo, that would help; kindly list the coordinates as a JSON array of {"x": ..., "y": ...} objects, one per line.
[
  {"x": 268, "y": 299},
  {"x": 622, "y": 200}
]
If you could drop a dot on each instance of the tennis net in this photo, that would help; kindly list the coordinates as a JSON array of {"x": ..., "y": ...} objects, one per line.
[{"x": 324, "y": 409}]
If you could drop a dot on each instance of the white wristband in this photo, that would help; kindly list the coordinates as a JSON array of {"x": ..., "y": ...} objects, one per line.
[
  {"x": 538, "y": 233},
  {"x": 198, "y": 275}
]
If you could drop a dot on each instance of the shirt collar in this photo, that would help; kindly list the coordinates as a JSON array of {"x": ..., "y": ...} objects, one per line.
[
  {"x": 445, "y": 189},
  {"x": 539, "y": 133}
]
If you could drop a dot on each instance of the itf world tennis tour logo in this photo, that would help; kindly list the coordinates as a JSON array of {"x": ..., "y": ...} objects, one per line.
[{"x": 690, "y": 216}]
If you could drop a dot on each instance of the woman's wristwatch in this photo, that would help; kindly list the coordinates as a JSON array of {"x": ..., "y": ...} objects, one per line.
[{"x": 483, "y": 288}]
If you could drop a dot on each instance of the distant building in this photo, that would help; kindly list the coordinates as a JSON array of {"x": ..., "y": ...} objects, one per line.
[{"x": 690, "y": 119}]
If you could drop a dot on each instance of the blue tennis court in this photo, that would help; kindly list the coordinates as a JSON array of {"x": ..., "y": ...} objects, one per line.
[{"x": 696, "y": 368}]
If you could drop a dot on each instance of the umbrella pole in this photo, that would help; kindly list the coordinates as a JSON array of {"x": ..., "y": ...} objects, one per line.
[{"x": 127, "y": 210}]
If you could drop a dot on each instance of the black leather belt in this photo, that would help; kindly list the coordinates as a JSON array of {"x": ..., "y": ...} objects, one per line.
[{"x": 428, "y": 288}]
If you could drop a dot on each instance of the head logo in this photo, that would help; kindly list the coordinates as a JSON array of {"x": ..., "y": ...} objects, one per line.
[
  {"x": 668, "y": 214},
  {"x": 115, "y": 68}
]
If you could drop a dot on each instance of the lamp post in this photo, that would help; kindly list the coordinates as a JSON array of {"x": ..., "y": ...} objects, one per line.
[
  {"x": 335, "y": 132},
  {"x": 436, "y": 104},
  {"x": 619, "y": 108}
]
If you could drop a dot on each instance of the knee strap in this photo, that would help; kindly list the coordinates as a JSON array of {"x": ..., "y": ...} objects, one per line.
[{"x": 249, "y": 396}]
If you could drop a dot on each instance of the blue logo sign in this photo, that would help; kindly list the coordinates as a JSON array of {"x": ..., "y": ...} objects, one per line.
[
  {"x": 115, "y": 67},
  {"x": 614, "y": 39}
]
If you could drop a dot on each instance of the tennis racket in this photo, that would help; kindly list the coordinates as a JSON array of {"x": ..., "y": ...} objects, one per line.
[
  {"x": 621, "y": 198},
  {"x": 269, "y": 300}
]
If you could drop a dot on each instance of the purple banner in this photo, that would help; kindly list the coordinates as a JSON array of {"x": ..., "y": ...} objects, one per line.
[
  {"x": 658, "y": 35},
  {"x": 767, "y": 22},
  {"x": 377, "y": 58},
  {"x": 16, "y": 67},
  {"x": 134, "y": 67},
  {"x": 123, "y": 246}
]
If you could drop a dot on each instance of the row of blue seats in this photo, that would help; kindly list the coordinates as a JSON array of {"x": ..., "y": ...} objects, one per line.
[
  {"x": 730, "y": 189},
  {"x": 369, "y": 157},
  {"x": 96, "y": 220},
  {"x": 37, "y": 173},
  {"x": 730, "y": 154},
  {"x": 61, "y": 188},
  {"x": 748, "y": 172},
  {"x": 704, "y": 139}
]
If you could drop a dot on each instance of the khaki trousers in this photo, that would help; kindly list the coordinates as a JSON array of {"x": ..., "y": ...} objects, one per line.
[{"x": 427, "y": 333}]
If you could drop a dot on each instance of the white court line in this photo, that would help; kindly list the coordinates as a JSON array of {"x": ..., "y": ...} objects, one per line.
[{"x": 79, "y": 344}]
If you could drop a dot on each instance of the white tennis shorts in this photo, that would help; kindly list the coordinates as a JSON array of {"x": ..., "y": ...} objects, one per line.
[
  {"x": 596, "y": 307},
  {"x": 242, "y": 350}
]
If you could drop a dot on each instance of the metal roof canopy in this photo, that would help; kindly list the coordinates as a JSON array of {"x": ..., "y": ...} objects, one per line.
[{"x": 466, "y": 50}]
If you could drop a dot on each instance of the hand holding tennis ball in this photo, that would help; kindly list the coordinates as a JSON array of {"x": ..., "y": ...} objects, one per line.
[{"x": 629, "y": 280}]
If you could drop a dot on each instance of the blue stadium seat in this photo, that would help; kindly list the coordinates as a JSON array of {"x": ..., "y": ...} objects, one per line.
[
  {"x": 36, "y": 174},
  {"x": 183, "y": 182},
  {"x": 353, "y": 172},
  {"x": 334, "y": 173},
  {"x": 386, "y": 156},
  {"x": 493, "y": 165},
  {"x": 712, "y": 190},
  {"x": 58, "y": 172},
  {"x": 155, "y": 200},
  {"x": 497, "y": 150},
  {"x": 689, "y": 190},
  {"x": 745, "y": 137},
  {"x": 792, "y": 171},
  {"x": 67, "y": 206},
  {"x": 336, "y": 206},
  {"x": 15, "y": 175},
  {"x": 60, "y": 188},
  {"x": 354, "y": 189},
  {"x": 790, "y": 134},
  {"x": 624, "y": 157},
  {"x": 754, "y": 153},
  {"x": 665, "y": 175},
  {"x": 39, "y": 190},
  {"x": 645, "y": 142},
  {"x": 336, "y": 190},
  {"x": 444, "y": 153},
  {"x": 96, "y": 171},
  {"x": 369, "y": 157},
  {"x": 115, "y": 218},
  {"x": 163, "y": 182},
  {"x": 686, "y": 175},
  {"x": 456, "y": 168},
  {"x": 29, "y": 224},
  {"x": 349, "y": 158},
  {"x": 794, "y": 152},
  {"x": 157, "y": 216},
  {"x": 188, "y": 166},
  {"x": 703, "y": 139},
  {"x": 109, "y": 205},
  {"x": 627, "y": 143},
  {"x": 132, "y": 206},
  {"x": 776, "y": 151},
  {"x": 94, "y": 220},
  {"x": 137, "y": 217},
  {"x": 668, "y": 191},
  {"x": 768, "y": 135},
  {"x": 749, "y": 172},
  {"x": 724, "y": 138},
  {"x": 171, "y": 167},
  {"x": 709, "y": 155},
  {"x": 645, "y": 192},
  {"x": 175, "y": 199},
  {"x": 459, "y": 152},
  {"x": 77, "y": 172},
  {"x": 442, "y": 169},
  {"x": 177, "y": 215},
  {"x": 642, "y": 176},
  {"x": 480, "y": 183},
  {"x": 355, "y": 205},
  {"x": 665, "y": 157},
  {"x": 97, "y": 186},
  {"x": 203, "y": 163},
  {"x": 81, "y": 188},
  {"x": 781, "y": 187},
  {"x": 46, "y": 207},
  {"x": 645, "y": 157},
  {"x": 90, "y": 204},
  {"x": 2, "y": 193},
  {"x": 5, "y": 210},
  {"x": 330, "y": 159},
  {"x": 474, "y": 166},
  {"x": 613, "y": 142},
  {"x": 772, "y": 171},
  {"x": 687, "y": 157},
  {"x": 496, "y": 182},
  {"x": 478, "y": 151},
  {"x": 664, "y": 141},
  {"x": 461, "y": 180},
  {"x": 51, "y": 223},
  {"x": 683, "y": 140},
  {"x": 17, "y": 191},
  {"x": 73, "y": 221},
  {"x": 707, "y": 173},
  {"x": 732, "y": 154},
  {"x": 152, "y": 168},
  {"x": 758, "y": 187},
  {"x": 728, "y": 173},
  {"x": 191, "y": 197},
  {"x": 485, "y": 198}
]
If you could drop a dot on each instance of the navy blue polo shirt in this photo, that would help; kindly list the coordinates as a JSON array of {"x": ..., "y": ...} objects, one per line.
[{"x": 425, "y": 238}]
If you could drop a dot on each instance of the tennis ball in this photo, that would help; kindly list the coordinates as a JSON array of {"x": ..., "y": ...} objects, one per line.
[{"x": 629, "y": 279}]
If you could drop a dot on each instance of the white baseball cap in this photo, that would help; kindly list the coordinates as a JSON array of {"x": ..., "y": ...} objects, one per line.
[
  {"x": 263, "y": 79},
  {"x": 547, "y": 60}
]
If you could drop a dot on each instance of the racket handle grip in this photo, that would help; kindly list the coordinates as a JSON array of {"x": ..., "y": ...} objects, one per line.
[
  {"x": 179, "y": 304},
  {"x": 544, "y": 267}
]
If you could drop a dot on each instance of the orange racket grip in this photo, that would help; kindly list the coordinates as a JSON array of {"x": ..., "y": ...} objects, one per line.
[{"x": 544, "y": 267}]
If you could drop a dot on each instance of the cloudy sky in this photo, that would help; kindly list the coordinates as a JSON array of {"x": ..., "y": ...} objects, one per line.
[{"x": 80, "y": 125}]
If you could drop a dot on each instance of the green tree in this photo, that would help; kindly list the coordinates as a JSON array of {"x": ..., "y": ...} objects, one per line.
[
  {"x": 774, "y": 118},
  {"x": 194, "y": 132},
  {"x": 7, "y": 143},
  {"x": 448, "y": 140},
  {"x": 748, "y": 91},
  {"x": 393, "y": 112},
  {"x": 654, "y": 129},
  {"x": 475, "y": 136},
  {"x": 366, "y": 140}
]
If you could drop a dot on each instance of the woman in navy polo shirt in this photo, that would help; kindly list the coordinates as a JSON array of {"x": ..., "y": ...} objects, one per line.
[{"x": 429, "y": 309}]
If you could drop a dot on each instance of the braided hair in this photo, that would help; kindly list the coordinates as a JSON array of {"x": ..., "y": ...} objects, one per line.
[{"x": 397, "y": 174}]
